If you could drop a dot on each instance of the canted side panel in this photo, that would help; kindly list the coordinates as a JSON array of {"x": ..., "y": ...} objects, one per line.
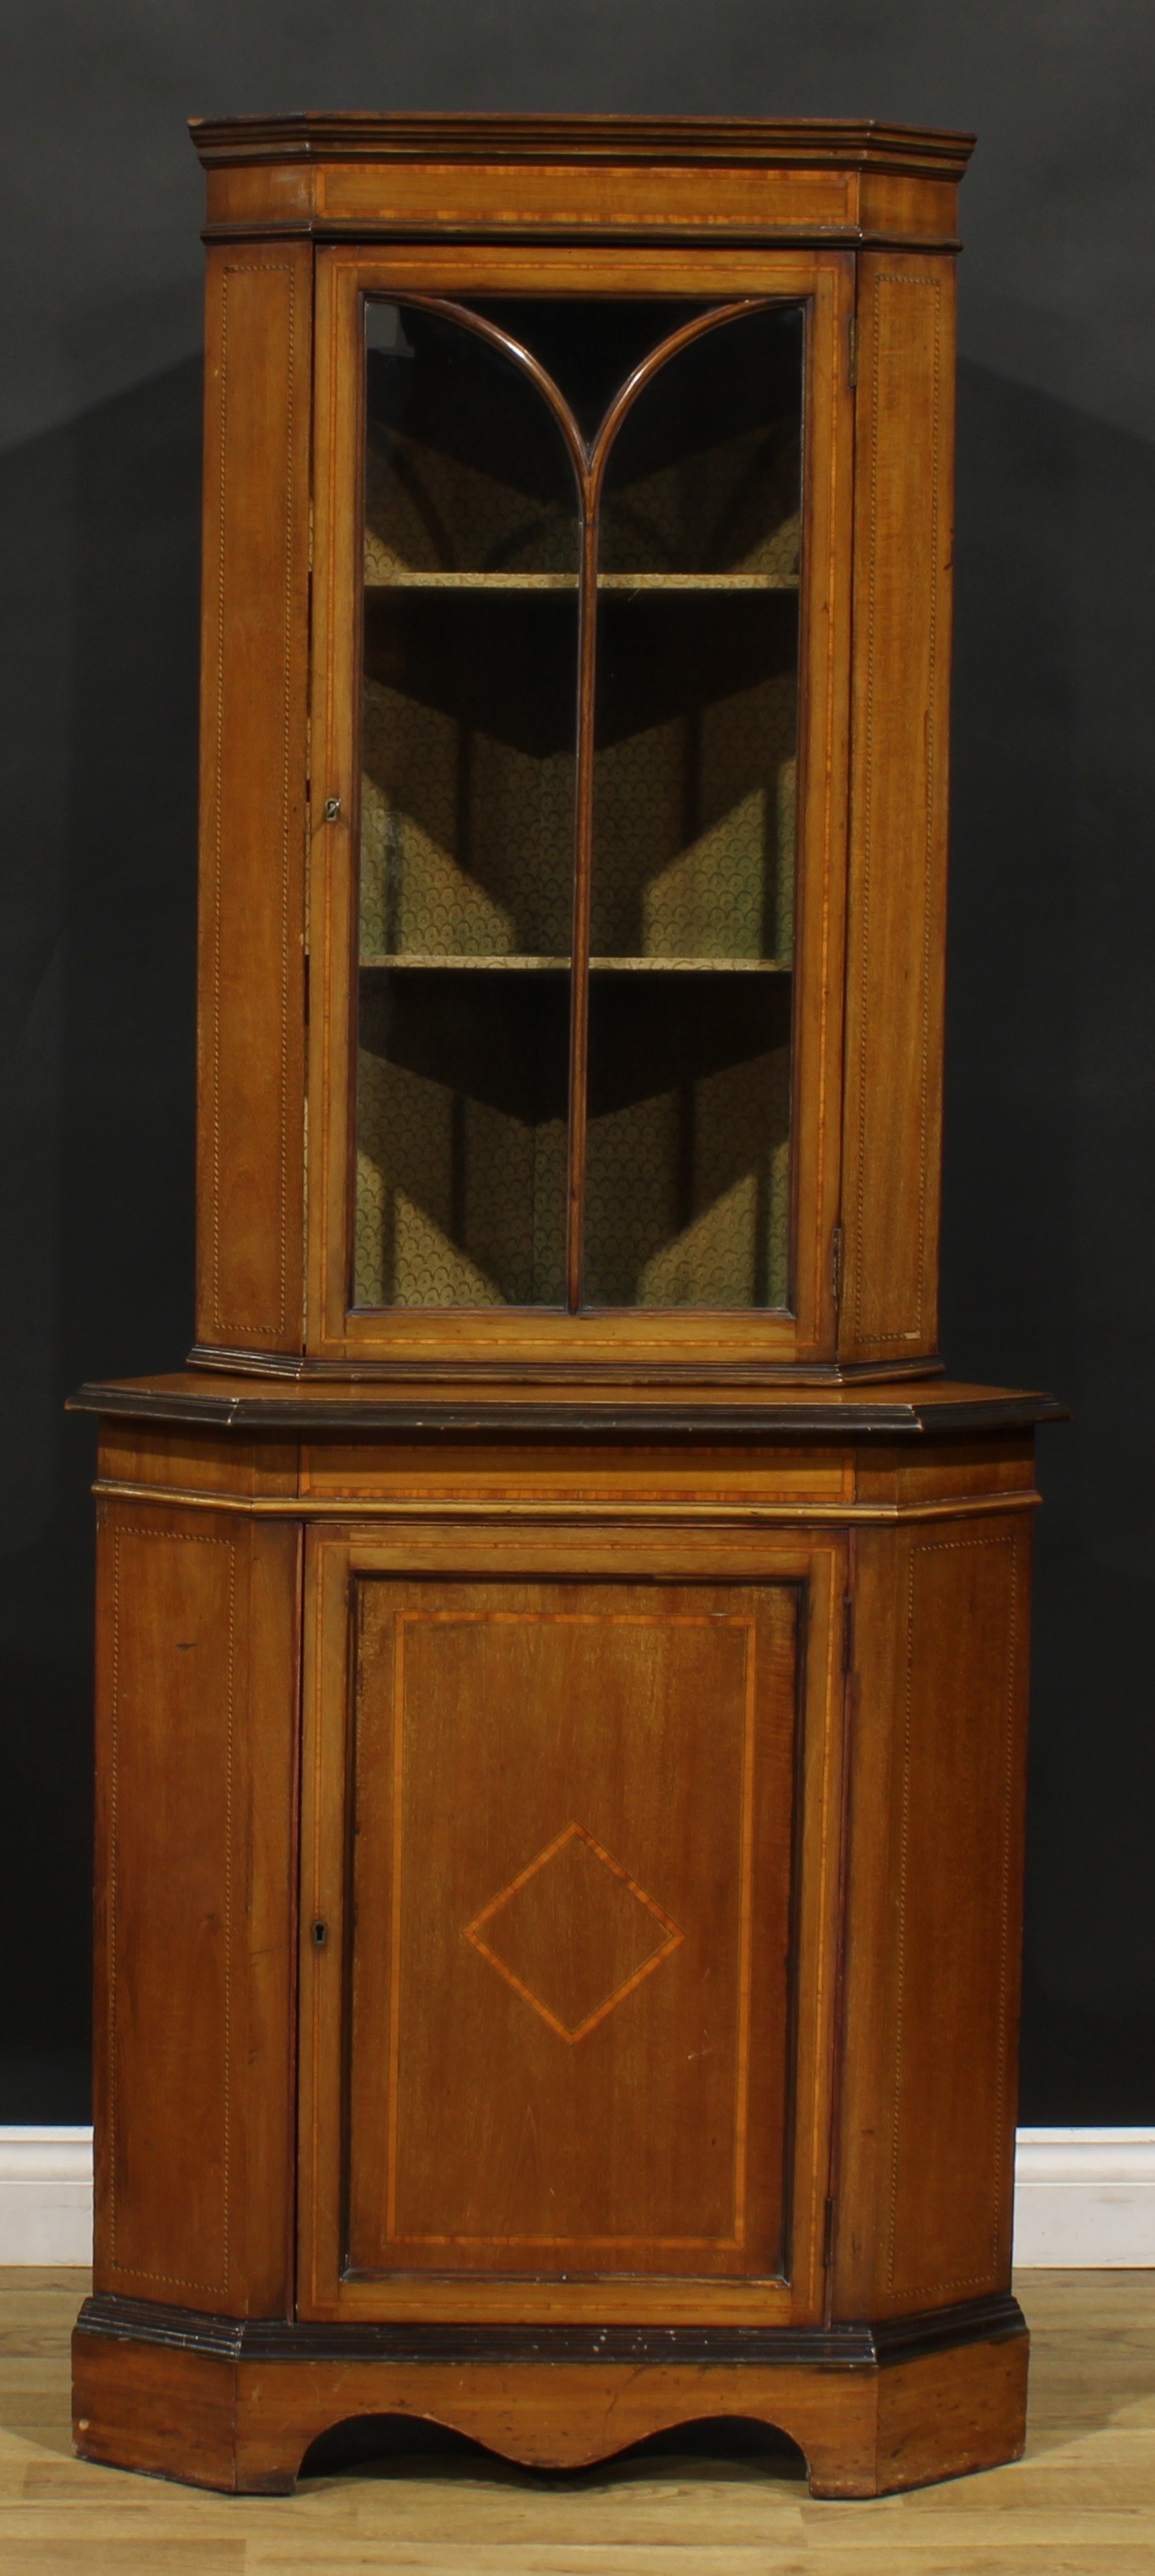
[
  {"x": 197, "y": 1647},
  {"x": 253, "y": 763},
  {"x": 927, "y": 2163},
  {"x": 569, "y": 2009},
  {"x": 902, "y": 607},
  {"x": 170, "y": 1699},
  {"x": 958, "y": 1814},
  {"x": 264, "y": 2025}
]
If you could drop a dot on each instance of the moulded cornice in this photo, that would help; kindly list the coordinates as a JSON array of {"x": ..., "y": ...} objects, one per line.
[{"x": 817, "y": 142}]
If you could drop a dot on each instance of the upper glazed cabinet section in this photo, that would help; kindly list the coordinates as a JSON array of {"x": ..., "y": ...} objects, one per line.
[{"x": 572, "y": 885}]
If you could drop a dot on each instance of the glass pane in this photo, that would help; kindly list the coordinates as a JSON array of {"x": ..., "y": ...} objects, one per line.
[
  {"x": 461, "y": 1165},
  {"x": 688, "y": 1175},
  {"x": 704, "y": 476},
  {"x": 467, "y": 823},
  {"x": 465, "y": 470}
]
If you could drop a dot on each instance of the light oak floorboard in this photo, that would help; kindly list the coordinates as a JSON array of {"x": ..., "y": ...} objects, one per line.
[{"x": 1082, "y": 2501}]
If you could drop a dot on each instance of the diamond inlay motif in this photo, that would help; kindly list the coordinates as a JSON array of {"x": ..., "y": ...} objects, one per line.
[{"x": 573, "y": 1934}]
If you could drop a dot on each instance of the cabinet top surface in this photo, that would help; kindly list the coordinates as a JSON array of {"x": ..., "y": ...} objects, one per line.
[
  {"x": 829, "y": 1412},
  {"x": 826, "y": 142}
]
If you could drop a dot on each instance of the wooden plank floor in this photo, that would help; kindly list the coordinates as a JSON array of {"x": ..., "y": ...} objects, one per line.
[{"x": 1083, "y": 2499}]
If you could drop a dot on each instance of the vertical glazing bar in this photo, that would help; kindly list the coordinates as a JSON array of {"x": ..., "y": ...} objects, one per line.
[{"x": 583, "y": 868}]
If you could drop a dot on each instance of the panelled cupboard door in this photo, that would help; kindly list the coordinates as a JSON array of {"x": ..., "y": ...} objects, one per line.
[{"x": 557, "y": 1826}]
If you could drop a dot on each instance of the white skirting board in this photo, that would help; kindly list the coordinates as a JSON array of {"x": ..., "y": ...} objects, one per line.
[
  {"x": 45, "y": 2195},
  {"x": 1082, "y": 2196},
  {"x": 1085, "y": 2196}
]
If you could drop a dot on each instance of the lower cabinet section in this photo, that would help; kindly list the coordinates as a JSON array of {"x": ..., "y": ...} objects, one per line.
[{"x": 601, "y": 1933}]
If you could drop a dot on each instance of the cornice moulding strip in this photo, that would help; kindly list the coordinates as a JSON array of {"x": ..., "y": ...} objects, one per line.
[{"x": 533, "y": 1512}]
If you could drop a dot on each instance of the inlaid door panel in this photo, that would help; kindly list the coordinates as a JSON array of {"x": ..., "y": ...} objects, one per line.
[{"x": 560, "y": 1952}]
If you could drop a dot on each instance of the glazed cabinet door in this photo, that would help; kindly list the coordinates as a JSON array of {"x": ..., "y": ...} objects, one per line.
[
  {"x": 581, "y": 673},
  {"x": 551, "y": 1936}
]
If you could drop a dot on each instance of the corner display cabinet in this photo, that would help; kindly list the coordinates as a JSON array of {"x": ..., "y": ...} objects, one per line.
[{"x": 562, "y": 1641}]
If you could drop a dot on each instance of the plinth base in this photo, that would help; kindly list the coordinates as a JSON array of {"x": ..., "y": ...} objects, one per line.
[{"x": 220, "y": 2404}]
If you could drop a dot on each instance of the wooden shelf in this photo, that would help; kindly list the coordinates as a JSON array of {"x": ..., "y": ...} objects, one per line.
[
  {"x": 687, "y": 966},
  {"x": 410, "y": 960},
  {"x": 403, "y": 579},
  {"x": 625, "y": 581},
  {"x": 698, "y": 581}
]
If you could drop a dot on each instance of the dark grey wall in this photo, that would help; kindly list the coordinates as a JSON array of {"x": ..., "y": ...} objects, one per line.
[{"x": 1051, "y": 1127}]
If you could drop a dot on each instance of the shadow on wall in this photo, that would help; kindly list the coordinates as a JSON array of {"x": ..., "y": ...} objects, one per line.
[
  {"x": 1050, "y": 1142},
  {"x": 99, "y": 536},
  {"x": 1050, "y": 1135}
]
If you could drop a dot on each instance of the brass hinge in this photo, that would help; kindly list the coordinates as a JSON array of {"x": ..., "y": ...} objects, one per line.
[
  {"x": 836, "y": 1265},
  {"x": 828, "y": 2237},
  {"x": 852, "y": 351}
]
